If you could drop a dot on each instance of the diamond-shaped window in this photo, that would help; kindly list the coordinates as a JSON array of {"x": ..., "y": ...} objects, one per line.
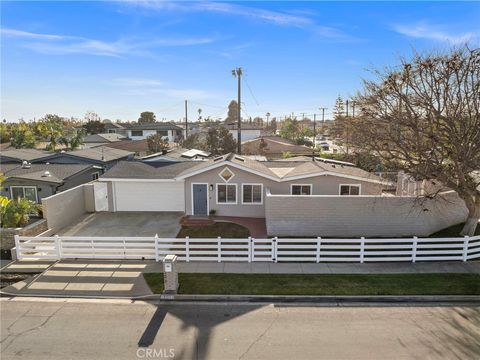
[{"x": 226, "y": 174}]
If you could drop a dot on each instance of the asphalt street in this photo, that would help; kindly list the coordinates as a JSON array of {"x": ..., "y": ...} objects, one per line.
[{"x": 120, "y": 329}]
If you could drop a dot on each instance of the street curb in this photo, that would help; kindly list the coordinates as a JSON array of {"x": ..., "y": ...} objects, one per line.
[{"x": 474, "y": 299}]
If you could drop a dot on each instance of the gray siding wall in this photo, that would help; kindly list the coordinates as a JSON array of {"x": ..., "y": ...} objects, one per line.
[
  {"x": 43, "y": 189},
  {"x": 356, "y": 216},
  {"x": 324, "y": 185}
]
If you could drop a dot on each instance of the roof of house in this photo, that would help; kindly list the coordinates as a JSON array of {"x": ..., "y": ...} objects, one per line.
[
  {"x": 274, "y": 145},
  {"x": 103, "y": 138},
  {"x": 130, "y": 145},
  {"x": 111, "y": 125},
  {"x": 57, "y": 173},
  {"x": 274, "y": 170},
  {"x": 152, "y": 126},
  {"x": 24, "y": 154},
  {"x": 177, "y": 155},
  {"x": 102, "y": 154},
  {"x": 140, "y": 170}
]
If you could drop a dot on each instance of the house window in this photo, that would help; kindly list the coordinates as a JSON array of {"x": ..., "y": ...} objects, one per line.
[
  {"x": 137, "y": 132},
  {"x": 162, "y": 132},
  {"x": 95, "y": 175},
  {"x": 226, "y": 174},
  {"x": 111, "y": 131},
  {"x": 301, "y": 189},
  {"x": 349, "y": 189},
  {"x": 252, "y": 193},
  {"x": 226, "y": 193},
  {"x": 24, "y": 192}
]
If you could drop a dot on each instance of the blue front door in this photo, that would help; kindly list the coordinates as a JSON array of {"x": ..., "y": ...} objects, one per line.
[{"x": 200, "y": 199}]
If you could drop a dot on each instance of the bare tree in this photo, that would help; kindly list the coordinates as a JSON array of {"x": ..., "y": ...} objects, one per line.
[{"x": 424, "y": 115}]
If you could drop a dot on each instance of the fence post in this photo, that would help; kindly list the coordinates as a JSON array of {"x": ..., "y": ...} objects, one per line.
[
  {"x": 18, "y": 250},
  {"x": 157, "y": 255},
  {"x": 414, "y": 249},
  {"x": 362, "y": 249},
  {"x": 465, "y": 248},
  {"x": 252, "y": 249},
  {"x": 319, "y": 244},
  {"x": 274, "y": 249},
  {"x": 187, "y": 248},
  {"x": 57, "y": 247},
  {"x": 249, "y": 249},
  {"x": 219, "y": 244}
]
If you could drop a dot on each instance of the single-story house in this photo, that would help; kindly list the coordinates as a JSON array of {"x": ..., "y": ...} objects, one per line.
[
  {"x": 273, "y": 147},
  {"x": 102, "y": 156},
  {"x": 229, "y": 185},
  {"x": 95, "y": 140},
  {"x": 37, "y": 181},
  {"x": 115, "y": 128},
  {"x": 168, "y": 131}
]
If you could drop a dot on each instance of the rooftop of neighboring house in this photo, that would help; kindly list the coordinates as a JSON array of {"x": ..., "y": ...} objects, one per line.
[
  {"x": 274, "y": 170},
  {"x": 111, "y": 125},
  {"x": 100, "y": 153},
  {"x": 177, "y": 154},
  {"x": 12, "y": 154},
  {"x": 136, "y": 146},
  {"x": 274, "y": 145},
  {"x": 51, "y": 173},
  {"x": 152, "y": 126},
  {"x": 103, "y": 138},
  {"x": 245, "y": 126}
]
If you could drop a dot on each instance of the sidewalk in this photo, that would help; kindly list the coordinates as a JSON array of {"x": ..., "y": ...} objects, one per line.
[{"x": 117, "y": 278}]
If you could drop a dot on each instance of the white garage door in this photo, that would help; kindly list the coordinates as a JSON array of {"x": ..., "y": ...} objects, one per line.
[{"x": 149, "y": 196}]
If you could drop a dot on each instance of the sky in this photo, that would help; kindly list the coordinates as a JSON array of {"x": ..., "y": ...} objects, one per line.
[{"x": 121, "y": 58}]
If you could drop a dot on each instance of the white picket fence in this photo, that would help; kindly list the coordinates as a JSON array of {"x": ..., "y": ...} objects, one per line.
[{"x": 250, "y": 249}]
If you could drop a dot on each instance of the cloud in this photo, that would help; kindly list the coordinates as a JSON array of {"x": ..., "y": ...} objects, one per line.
[
  {"x": 144, "y": 86},
  {"x": 427, "y": 31},
  {"x": 63, "y": 44},
  {"x": 296, "y": 19}
]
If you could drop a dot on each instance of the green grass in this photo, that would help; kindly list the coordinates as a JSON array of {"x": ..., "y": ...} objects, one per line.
[
  {"x": 322, "y": 284},
  {"x": 453, "y": 231},
  {"x": 223, "y": 229}
]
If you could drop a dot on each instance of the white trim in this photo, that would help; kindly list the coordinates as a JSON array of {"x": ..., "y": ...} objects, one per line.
[
  {"x": 23, "y": 187},
  {"x": 357, "y": 185},
  {"x": 208, "y": 197},
  {"x": 252, "y": 203},
  {"x": 226, "y": 194},
  {"x": 309, "y": 185},
  {"x": 227, "y": 163},
  {"x": 231, "y": 172}
]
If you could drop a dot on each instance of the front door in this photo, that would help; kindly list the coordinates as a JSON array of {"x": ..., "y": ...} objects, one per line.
[{"x": 200, "y": 199}]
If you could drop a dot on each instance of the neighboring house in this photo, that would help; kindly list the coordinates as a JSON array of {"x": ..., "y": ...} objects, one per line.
[
  {"x": 229, "y": 185},
  {"x": 37, "y": 181},
  {"x": 168, "y": 131},
  {"x": 248, "y": 131},
  {"x": 139, "y": 147},
  {"x": 273, "y": 147},
  {"x": 115, "y": 128},
  {"x": 12, "y": 155},
  {"x": 102, "y": 156},
  {"x": 95, "y": 140},
  {"x": 175, "y": 156}
]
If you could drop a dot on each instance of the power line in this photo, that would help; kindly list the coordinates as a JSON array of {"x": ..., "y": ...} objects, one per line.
[{"x": 251, "y": 93}]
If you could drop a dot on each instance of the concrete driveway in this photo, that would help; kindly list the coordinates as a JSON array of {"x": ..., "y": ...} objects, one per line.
[{"x": 165, "y": 224}]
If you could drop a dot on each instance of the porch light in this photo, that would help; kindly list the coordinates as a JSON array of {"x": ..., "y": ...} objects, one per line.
[{"x": 211, "y": 187}]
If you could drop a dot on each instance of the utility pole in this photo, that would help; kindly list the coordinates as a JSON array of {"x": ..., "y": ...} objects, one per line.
[
  {"x": 267, "y": 115},
  {"x": 353, "y": 107},
  {"x": 314, "y": 134},
  {"x": 347, "y": 108},
  {"x": 186, "y": 120},
  {"x": 238, "y": 74}
]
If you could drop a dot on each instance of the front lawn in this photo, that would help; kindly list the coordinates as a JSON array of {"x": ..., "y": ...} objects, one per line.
[
  {"x": 322, "y": 284},
  {"x": 223, "y": 229}
]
